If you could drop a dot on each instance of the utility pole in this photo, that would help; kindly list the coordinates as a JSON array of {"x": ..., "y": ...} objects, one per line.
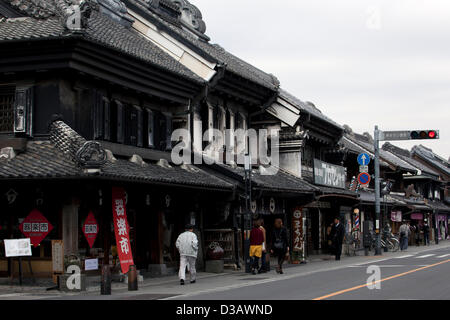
[
  {"x": 246, "y": 217},
  {"x": 377, "y": 191}
]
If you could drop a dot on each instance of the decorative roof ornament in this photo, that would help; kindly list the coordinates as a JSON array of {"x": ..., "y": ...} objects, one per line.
[
  {"x": 91, "y": 155},
  {"x": 191, "y": 16},
  {"x": 116, "y": 10}
]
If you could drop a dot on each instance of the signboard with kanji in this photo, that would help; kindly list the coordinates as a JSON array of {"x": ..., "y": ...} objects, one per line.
[
  {"x": 297, "y": 230},
  {"x": 36, "y": 227},
  {"x": 122, "y": 229},
  {"x": 90, "y": 229}
]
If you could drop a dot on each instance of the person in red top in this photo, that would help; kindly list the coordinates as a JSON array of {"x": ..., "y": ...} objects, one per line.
[{"x": 256, "y": 244}]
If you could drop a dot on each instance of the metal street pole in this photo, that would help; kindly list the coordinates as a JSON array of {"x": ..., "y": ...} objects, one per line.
[
  {"x": 377, "y": 191},
  {"x": 246, "y": 215}
]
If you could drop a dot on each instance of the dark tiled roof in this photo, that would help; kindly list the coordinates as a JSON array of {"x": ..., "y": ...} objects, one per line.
[
  {"x": 280, "y": 182},
  {"x": 42, "y": 159},
  {"x": 385, "y": 155},
  {"x": 30, "y": 28},
  {"x": 308, "y": 108},
  {"x": 438, "y": 206},
  {"x": 215, "y": 51},
  {"x": 105, "y": 31},
  {"x": 101, "y": 30},
  {"x": 429, "y": 156},
  {"x": 55, "y": 158},
  {"x": 330, "y": 190},
  {"x": 405, "y": 155},
  {"x": 369, "y": 196},
  {"x": 123, "y": 169},
  {"x": 353, "y": 147}
]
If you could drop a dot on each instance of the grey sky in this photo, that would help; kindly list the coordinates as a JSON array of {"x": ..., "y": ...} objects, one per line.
[{"x": 361, "y": 62}]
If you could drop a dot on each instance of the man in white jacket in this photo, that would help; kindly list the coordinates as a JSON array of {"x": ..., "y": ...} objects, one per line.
[{"x": 187, "y": 245}]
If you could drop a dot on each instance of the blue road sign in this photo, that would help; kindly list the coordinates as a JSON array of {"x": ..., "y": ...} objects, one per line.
[
  {"x": 363, "y": 159},
  {"x": 364, "y": 178}
]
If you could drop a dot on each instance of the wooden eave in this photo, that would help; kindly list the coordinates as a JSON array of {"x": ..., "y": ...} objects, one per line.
[{"x": 98, "y": 61}]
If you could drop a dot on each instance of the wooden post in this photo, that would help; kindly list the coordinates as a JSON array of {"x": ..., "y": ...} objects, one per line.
[{"x": 20, "y": 271}]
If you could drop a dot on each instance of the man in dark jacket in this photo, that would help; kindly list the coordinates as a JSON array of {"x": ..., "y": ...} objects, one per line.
[
  {"x": 337, "y": 237},
  {"x": 426, "y": 234},
  {"x": 280, "y": 244}
]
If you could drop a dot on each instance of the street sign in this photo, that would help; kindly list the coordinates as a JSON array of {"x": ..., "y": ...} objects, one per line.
[
  {"x": 363, "y": 169},
  {"x": 395, "y": 135},
  {"x": 409, "y": 135},
  {"x": 364, "y": 178},
  {"x": 363, "y": 159}
]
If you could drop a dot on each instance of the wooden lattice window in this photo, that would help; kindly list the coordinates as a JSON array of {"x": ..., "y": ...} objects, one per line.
[{"x": 7, "y": 94}]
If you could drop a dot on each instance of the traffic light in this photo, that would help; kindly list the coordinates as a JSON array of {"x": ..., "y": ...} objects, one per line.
[{"x": 424, "y": 134}]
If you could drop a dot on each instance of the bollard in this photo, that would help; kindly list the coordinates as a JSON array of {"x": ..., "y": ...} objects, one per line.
[
  {"x": 106, "y": 280},
  {"x": 132, "y": 279}
]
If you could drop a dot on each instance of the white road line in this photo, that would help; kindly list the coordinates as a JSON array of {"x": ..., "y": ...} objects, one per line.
[
  {"x": 425, "y": 256},
  {"x": 407, "y": 256},
  {"x": 444, "y": 256}
]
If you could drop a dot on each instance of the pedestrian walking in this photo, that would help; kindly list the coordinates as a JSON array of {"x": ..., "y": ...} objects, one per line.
[
  {"x": 329, "y": 240},
  {"x": 443, "y": 235},
  {"x": 404, "y": 235},
  {"x": 280, "y": 244},
  {"x": 426, "y": 234},
  {"x": 187, "y": 245},
  {"x": 256, "y": 245},
  {"x": 337, "y": 236},
  {"x": 418, "y": 230},
  {"x": 263, "y": 268}
]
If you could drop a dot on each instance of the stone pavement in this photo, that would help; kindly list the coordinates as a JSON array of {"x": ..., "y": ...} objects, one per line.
[{"x": 167, "y": 287}]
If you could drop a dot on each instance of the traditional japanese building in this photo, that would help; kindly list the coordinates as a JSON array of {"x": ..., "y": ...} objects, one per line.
[{"x": 90, "y": 95}]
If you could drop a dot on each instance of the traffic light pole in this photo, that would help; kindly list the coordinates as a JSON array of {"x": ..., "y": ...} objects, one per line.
[{"x": 377, "y": 191}]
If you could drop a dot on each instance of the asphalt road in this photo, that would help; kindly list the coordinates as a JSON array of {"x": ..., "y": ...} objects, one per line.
[
  {"x": 406, "y": 276},
  {"x": 420, "y": 273}
]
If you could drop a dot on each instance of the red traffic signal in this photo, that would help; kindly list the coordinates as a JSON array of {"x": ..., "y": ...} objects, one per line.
[{"x": 424, "y": 134}]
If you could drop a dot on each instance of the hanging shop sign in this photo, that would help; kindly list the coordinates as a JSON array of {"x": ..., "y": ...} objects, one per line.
[
  {"x": 396, "y": 216},
  {"x": 122, "y": 229},
  {"x": 330, "y": 175},
  {"x": 17, "y": 248},
  {"x": 297, "y": 230},
  {"x": 36, "y": 227},
  {"x": 90, "y": 229},
  {"x": 417, "y": 216}
]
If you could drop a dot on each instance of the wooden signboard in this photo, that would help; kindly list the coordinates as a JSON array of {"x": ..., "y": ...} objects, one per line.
[
  {"x": 297, "y": 235},
  {"x": 57, "y": 259}
]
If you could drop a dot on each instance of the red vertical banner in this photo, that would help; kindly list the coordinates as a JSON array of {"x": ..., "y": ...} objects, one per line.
[{"x": 121, "y": 229}]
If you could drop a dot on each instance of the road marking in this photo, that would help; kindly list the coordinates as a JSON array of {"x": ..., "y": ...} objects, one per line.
[
  {"x": 425, "y": 256},
  {"x": 444, "y": 256},
  {"x": 407, "y": 256},
  {"x": 382, "y": 280}
]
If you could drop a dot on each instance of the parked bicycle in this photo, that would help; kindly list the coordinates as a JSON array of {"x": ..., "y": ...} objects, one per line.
[{"x": 388, "y": 240}]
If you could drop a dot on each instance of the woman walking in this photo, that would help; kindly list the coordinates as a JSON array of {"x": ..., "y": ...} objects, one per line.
[
  {"x": 256, "y": 245},
  {"x": 280, "y": 244}
]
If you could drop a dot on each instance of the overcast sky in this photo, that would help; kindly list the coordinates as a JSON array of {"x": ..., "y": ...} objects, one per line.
[{"x": 361, "y": 62}]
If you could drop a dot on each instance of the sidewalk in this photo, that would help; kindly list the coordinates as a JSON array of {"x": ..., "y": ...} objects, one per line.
[{"x": 167, "y": 287}]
